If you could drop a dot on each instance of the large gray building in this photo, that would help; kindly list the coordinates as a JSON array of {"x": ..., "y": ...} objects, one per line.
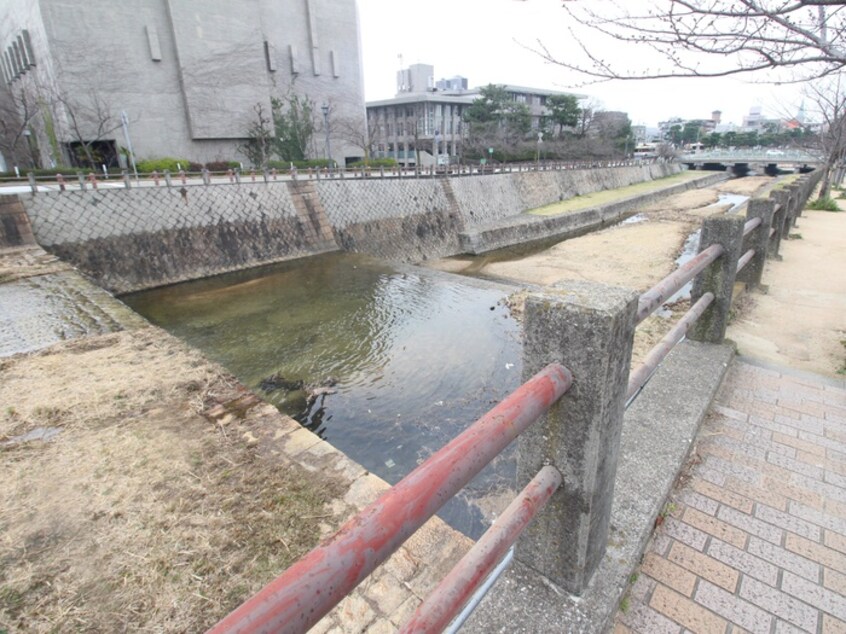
[
  {"x": 187, "y": 73},
  {"x": 424, "y": 123}
]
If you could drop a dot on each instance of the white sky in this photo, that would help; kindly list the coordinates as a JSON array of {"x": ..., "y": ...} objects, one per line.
[{"x": 483, "y": 41}]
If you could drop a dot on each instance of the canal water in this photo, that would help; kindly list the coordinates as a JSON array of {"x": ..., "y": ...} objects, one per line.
[{"x": 386, "y": 364}]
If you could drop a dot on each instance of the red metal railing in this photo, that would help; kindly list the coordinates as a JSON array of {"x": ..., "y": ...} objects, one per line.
[
  {"x": 671, "y": 284},
  {"x": 441, "y": 606},
  {"x": 310, "y": 588}
]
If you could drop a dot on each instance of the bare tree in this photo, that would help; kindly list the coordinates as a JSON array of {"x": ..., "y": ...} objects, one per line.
[
  {"x": 18, "y": 112},
  {"x": 358, "y": 133},
  {"x": 829, "y": 103},
  {"x": 90, "y": 119},
  {"x": 707, "y": 38}
]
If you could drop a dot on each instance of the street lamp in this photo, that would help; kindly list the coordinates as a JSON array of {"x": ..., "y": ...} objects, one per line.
[
  {"x": 537, "y": 153},
  {"x": 325, "y": 109}
]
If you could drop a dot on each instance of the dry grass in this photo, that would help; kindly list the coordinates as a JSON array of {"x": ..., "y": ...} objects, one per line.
[{"x": 142, "y": 514}]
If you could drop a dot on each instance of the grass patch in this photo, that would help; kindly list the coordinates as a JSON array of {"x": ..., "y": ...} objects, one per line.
[
  {"x": 786, "y": 181},
  {"x": 842, "y": 369},
  {"x": 823, "y": 204},
  {"x": 794, "y": 236},
  {"x": 596, "y": 199}
]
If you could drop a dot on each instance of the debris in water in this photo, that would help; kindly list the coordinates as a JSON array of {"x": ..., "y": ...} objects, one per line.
[
  {"x": 390, "y": 463},
  {"x": 278, "y": 382}
]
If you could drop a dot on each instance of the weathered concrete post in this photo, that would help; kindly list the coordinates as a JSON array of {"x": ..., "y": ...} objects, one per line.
[
  {"x": 718, "y": 278},
  {"x": 781, "y": 201},
  {"x": 126, "y": 182},
  {"x": 589, "y": 328},
  {"x": 33, "y": 184},
  {"x": 206, "y": 177},
  {"x": 81, "y": 179},
  {"x": 759, "y": 240},
  {"x": 168, "y": 180}
]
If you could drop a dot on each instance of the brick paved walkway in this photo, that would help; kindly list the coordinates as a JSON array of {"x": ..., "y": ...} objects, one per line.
[{"x": 754, "y": 538}]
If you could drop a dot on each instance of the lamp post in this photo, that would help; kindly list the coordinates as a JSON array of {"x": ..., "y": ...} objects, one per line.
[
  {"x": 436, "y": 146},
  {"x": 124, "y": 122},
  {"x": 325, "y": 109},
  {"x": 537, "y": 152}
]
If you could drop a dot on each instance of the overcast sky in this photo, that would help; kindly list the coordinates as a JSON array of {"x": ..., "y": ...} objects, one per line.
[{"x": 486, "y": 40}]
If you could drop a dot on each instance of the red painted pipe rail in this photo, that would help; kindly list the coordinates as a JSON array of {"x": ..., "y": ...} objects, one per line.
[
  {"x": 750, "y": 226},
  {"x": 446, "y": 601},
  {"x": 665, "y": 289},
  {"x": 310, "y": 588},
  {"x": 744, "y": 259},
  {"x": 641, "y": 375}
]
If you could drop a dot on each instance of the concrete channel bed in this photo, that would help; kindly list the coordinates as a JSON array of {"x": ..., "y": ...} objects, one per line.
[{"x": 658, "y": 432}]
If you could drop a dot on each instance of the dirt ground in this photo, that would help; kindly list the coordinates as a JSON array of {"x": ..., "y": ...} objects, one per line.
[
  {"x": 800, "y": 320},
  {"x": 153, "y": 508},
  {"x": 636, "y": 255}
]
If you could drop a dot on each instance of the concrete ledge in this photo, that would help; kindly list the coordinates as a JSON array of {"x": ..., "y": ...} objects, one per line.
[
  {"x": 658, "y": 432},
  {"x": 525, "y": 228}
]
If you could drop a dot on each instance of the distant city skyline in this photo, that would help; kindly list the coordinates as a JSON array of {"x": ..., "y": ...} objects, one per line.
[{"x": 451, "y": 36}]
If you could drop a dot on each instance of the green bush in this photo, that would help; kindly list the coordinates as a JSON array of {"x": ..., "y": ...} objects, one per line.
[
  {"x": 377, "y": 163},
  {"x": 161, "y": 164},
  {"x": 824, "y": 204},
  {"x": 222, "y": 166}
]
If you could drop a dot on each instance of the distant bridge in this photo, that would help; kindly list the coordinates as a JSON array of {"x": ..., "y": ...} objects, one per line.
[{"x": 748, "y": 156}]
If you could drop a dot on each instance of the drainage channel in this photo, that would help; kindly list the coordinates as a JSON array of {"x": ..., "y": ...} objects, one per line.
[{"x": 386, "y": 364}]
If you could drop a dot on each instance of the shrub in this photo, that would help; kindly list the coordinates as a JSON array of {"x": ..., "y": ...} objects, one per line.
[
  {"x": 379, "y": 162},
  {"x": 222, "y": 166},
  {"x": 824, "y": 204},
  {"x": 161, "y": 164}
]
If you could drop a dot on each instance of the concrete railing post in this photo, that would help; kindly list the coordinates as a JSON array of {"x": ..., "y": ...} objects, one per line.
[
  {"x": 759, "y": 240},
  {"x": 126, "y": 182},
  {"x": 168, "y": 180},
  {"x": 206, "y": 176},
  {"x": 780, "y": 220},
  {"x": 718, "y": 278},
  {"x": 589, "y": 328}
]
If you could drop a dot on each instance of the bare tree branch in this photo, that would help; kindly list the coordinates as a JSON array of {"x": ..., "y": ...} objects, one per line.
[{"x": 705, "y": 38}]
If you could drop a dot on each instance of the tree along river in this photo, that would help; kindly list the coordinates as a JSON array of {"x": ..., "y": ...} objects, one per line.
[{"x": 386, "y": 364}]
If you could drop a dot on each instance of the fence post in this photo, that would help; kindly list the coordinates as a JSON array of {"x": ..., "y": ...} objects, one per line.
[
  {"x": 589, "y": 328},
  {"x": 126, "y": 181},
  {"x": 759, "y": 240},
  {"x": 206, "y": 177},
  {"x": 168, "y": 180},
  {"x": 718, "y": 278},
  {"x": 33, "y": 184},
  {"x": 782, "y": 199}
]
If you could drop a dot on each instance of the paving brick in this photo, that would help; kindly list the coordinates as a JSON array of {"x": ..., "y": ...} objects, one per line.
[
  {"x": 834, "y": 581},
  {"x": 715, "y": 527},
  {"x": 788, "y": 522},
  {"x": 685, "y": 612},
  {"x": 786, "y": 490},
  {"x": 762, "y": 493},
  {"x": 669, "y": 574},
  {"x": 779, "y": 604},
  {"x": 816, "y": 552},
  {"x": 820, "y": 518},
  {"x": 783, "y": 627},
  {"x": 835, "y": 540},
  {"x": 791, "y": 464},
  {"x": 748, "y": 524},
  {"x": 783, "y": 558},
  {"x": 722, "y": 495},
  {"x": 814, "y": 594},
  {"x": 697, "y": 501},
  {"x": 744, "y": 562},
  {"x": 825, "y": 489},
  {"x": 704, "y": 566},
  {"x": 644, "y": 620},
  {"x": 821, "y": 441},
  {"x": 685, "y": 533},
  {"x": 799, "y": 443},
  {"x": 832, "y": 625},
  {"x": 734, "y": 609}
]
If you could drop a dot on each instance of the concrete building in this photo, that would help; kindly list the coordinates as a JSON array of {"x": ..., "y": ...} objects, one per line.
[
  {"x": 423, "y": 124},
  {"x": 187, "y": 73}
]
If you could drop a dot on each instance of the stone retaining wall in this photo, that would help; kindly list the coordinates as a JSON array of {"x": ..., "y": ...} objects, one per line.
[{"x": 131, "y": 239}]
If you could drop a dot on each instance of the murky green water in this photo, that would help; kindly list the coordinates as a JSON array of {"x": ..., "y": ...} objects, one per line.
[{"x": 397, "y": 361}]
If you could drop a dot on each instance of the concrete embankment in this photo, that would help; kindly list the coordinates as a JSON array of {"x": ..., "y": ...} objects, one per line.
[{"x": 132, "y": 239}]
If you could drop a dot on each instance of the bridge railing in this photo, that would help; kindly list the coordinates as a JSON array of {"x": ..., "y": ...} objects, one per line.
[
  {"x": 567, "y": 419},
  {"x": 94, "y": 180}
]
